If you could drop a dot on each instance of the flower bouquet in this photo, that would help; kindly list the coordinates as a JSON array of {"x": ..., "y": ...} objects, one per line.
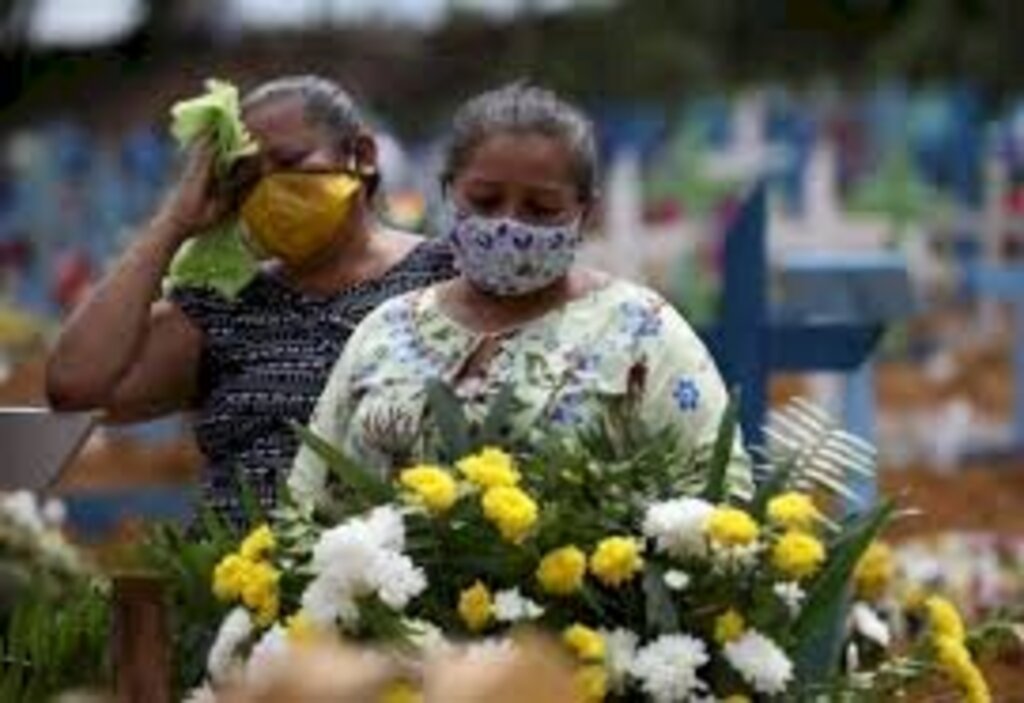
[
  {"x": 54, "y": 625},
  {"x": 630, "y": 550},
  {"x": 33, "y": 551}
]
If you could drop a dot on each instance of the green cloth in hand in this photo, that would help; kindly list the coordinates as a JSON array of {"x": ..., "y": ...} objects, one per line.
[{"x": 216, "y": 258}]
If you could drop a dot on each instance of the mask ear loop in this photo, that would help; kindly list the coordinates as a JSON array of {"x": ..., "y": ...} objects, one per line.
[{"x": 368, "y": 174}]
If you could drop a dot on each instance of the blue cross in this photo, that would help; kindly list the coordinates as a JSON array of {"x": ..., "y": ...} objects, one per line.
[{"x": 749, "y": 344}]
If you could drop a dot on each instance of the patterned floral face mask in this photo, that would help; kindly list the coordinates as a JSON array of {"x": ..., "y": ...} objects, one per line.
[{"x": 507, "y": 257}]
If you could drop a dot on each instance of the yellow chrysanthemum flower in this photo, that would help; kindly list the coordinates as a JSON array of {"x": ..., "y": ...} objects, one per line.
[
  {"x": 736, "y": 698},
  {"x": 401, "y": 692},
  {"x": 300, "y": 628},
  {"x": 476, "y": 607},
  {"x": 268, "y": 610},
  {"x": 729, "y": 626},
  {"x": 592, "y": 683},
  {"x": 561, "y": 571},
  {"x": 432, "y": 486},
  {"x": 616, "y": 560},
  {"x": 259, "y": 592},
  {"x": 944, "y": 618},
  {"x": 913, "y": 597},
  {"x": 794, "y": 511},
  {"x": 259, "y": 544},
  {"x": 874, "y": 572},
  {"x": 955, "y": 661},
  {"x": 489, "y": 468},
  {"x": 229, "y": 577},
  {"x": 798, "y": 555},
  {"x": 511, "y": 510},
  {"x": 731, "y": 527},
  {"x": 586, "y": 643}
]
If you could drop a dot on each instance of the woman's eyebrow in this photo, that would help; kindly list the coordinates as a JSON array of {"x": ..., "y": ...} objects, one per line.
[
  {"x": 545, "y": 188},
  {"x": 287, "y": 152}
]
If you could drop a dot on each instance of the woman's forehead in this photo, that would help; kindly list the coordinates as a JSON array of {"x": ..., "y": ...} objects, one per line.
[
  {"x": 279, "y": 120},
  {"x": 522, "y": 158}
]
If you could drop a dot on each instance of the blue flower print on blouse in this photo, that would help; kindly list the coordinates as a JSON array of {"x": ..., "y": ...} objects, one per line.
[
  {"x": 687, "y": 394},
  {"x": 569, "y": 410},
  {"x": 584, "y": 364},
  {"x": 639, "y": 319},
  {"x": 404, "y": 344}
]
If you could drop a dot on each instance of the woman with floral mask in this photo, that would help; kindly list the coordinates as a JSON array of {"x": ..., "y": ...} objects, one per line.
[
  {"x": 250, "y": 365},
  {"x": 570, "y": 342}
]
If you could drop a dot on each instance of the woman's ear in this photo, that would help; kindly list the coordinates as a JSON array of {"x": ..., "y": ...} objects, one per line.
[{"x": 364, "y": 156}]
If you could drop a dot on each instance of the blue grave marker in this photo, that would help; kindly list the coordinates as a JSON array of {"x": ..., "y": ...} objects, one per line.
[{"x": 752, "y": 339}]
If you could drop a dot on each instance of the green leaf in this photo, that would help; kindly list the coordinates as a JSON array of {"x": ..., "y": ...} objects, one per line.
[
  {"x": 214, "y": 525},
  {"x": 450, "y": 420},
  {"x": 772, "y": 486},
  {"x": 368, "y": 487},
  {"x": 716, "y": 488},
  {"x": 660, "y": 612},
  {"x": 52, "y": 645},
  {"x": 817, "y": 628},
  {"x": 252, "y": 509},
  {"x": 498, "y": 416}
]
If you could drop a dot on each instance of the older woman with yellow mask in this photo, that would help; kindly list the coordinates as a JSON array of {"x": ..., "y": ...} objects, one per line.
[{"x": 250, "y": 365}]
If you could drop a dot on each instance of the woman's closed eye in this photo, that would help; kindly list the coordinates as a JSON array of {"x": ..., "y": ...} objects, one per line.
[
  {"x": 541, "y": 212},
  {"x": 485, "y": 204},
  {"x": 287, "y": 159}
]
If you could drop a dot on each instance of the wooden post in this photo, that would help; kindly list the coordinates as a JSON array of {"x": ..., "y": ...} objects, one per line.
[{"x": 140, "y": 645}]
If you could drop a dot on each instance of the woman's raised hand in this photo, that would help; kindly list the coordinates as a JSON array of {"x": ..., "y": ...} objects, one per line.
[{"x": 194, "y": 203}]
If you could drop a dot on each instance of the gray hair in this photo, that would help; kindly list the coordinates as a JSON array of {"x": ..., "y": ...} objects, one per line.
[
  {"x": 520, "y": 108},
  {"x": 325, "y": 102}
]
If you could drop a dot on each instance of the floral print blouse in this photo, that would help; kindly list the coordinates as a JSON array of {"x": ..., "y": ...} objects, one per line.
[{"x": 565, "y": 368}]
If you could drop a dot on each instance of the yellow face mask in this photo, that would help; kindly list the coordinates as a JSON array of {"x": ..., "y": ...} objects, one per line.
[{"x": 294, "y": 216}]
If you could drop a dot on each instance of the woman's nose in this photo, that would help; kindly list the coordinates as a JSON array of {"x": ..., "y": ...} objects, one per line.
[{"x": 319, "y": 160}]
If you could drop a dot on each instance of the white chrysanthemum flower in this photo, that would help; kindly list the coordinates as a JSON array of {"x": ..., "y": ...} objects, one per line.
[
  {"x": 346, "y": 549},
  {"x": 760, "y": 662},
  {"x": 677, "y": 580},
  {"x": 359, "y": 558},
  {"x": 677, "y": 526},
  {"x": 733, "y": 559},
  {"x": 360, "y": 538},
  {"x": 620, "y": 651},
  {"x": 54, "y": 513},
  {"x": 396, "y": 579},
  {"x": 791, "y": 594},
  {"x": 327, "y": 600},
  {"x": 426, "y": 637},
  {"x": 387, "y": 526},
  {"x": 21, "y": 508},
  {"x": 267, "y": 657},
  {"x": 512, "y": 606},
  {"x": 203, "y": 694},
  {"x": 221, "y": 662},
  {"x": 667, "y": 668},
  {"x": 852, "y": 656},
  {"x": 867, "y": 622}
]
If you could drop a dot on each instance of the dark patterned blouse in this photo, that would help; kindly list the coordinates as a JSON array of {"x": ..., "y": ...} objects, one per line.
[{"x": 266, "y": 357}]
